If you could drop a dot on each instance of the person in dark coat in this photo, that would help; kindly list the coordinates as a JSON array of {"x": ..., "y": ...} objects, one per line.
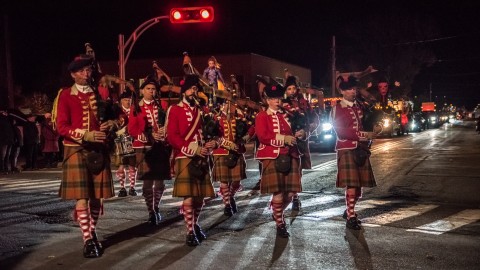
[
  {"x": 31, "y": 142},
  {"x": 7, "y": 136}
]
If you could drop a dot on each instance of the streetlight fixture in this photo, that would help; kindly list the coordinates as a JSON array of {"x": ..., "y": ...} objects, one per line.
[{"x": 177, "y": 15}]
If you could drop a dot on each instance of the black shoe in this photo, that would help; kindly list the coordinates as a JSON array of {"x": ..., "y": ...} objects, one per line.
[
  {"x": 97, "y": 243},
  {"x": 282, "y": 231},
  {"x": 122, "y": 192},
  {"x": 157, "y": 213},
  {"x": 344, "y": 216},
  {"x": 353, "y": 224},
  {"x": 132, "y": 192},
  {"x": 296, "y": 204},
  {"x": 90, "y": 250},
  {"x": 153, "y": 219},
  {"x": 233, "y": 205},
  {"x": 227, "y": 211},
  {"x": 199, "y": 233},
  {"x": 192, "y": 240}
]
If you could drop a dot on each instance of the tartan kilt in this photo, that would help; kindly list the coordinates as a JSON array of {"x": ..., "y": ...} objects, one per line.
[
  {"x": 273, "y": 181},
  {"x": 78, "y": 183},
  {"x": 221, "y": 172},
  {"x": 185, "y": 186},
  {"x": 351, "y": 175},
  {"x": 305, "y": 159},
  {"x": 153, "y": 163}
]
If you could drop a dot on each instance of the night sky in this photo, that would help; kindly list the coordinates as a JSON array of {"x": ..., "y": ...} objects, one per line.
[{"x": 45, "y": 35}]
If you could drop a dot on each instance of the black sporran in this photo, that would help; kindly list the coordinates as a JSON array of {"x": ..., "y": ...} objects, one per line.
[
  {"x": 95, "y": 162},
  {"x": 283, "y": 163},
  {"x": 198, "y": 167},
  {"x": 231, "y": 160},
  {"x": 360, "y": 155}
]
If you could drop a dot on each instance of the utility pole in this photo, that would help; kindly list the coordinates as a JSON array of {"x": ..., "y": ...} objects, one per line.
[{"x": 333, "y": 68}]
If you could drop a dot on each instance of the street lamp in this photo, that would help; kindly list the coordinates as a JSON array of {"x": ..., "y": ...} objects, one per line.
[{"x": 177, "y": 15}]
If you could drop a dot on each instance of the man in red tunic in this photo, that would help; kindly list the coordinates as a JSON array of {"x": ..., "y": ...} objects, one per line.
[
  {"x": 295, "y": 103},
  {"x": 127, "y": 163},
  {"x": 192, "y": 172},
  {"x": 152, "y": 152},
  {"x": 353, "y": 156},
  {"x": 279, "y": 155},
  {"x": 229, "y": 166},
  {"x": 77, "y": 118}
]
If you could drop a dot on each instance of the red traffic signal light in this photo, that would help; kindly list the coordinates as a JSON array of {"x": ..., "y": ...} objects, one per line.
[{"x": 191, "y": 14}]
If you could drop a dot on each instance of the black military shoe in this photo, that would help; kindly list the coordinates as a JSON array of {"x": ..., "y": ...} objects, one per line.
[
  {"x": 227, "y": 211},
  {"x": 282, "y": 231},
  {"x": 192, "y": 240},
  {"x": 233, "y": 205},
  {"x": 296, "y": 204},
  {"x": 353, "y": 224},
  {"x": 132, "y": 192},
  {"x": 97, "y": 243},
  {"x": 344, "y": 216},
  {"x": 90, "y": 250},
  {"x": 199, "y": 233},
  {"x": 153, "y": 219},
  {"x": 122, "y": 192}
]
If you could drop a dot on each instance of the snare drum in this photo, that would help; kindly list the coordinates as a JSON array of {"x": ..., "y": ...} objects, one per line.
[{"x": 124, "y": 145}]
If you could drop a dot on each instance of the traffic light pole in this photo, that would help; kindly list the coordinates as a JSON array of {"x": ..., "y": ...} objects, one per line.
[{"x": 128, "y": 45}]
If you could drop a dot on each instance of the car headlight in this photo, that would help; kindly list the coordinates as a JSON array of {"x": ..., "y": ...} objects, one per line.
[
  {"x": 386, "y": 122},
  {"x": 328, "y": 136},
  {"x": 326, "y": 126},
  {"x": 433, "y": 118}
]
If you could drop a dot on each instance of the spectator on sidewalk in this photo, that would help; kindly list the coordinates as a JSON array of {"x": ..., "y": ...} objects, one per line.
[
  {"x": 50, "y": 137},
  {"x": 6, "y": 140},
  {"x": 31, "y": 140}
]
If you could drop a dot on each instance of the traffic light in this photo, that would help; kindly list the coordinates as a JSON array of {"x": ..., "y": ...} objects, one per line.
[{"x": 191, "y": 14}]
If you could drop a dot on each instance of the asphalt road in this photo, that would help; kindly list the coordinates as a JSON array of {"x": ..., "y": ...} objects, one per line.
[{"x": 424, "y": 214}]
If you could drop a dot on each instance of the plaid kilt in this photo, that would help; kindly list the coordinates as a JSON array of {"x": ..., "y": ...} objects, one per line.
[
  {"x": 185, "y": 186},
  {"x": 153, "y": 163},
  {"x": 305, "y": 159},
  {"x": 78, "y": 183},
  {"x": 349, "y": 174},
  {"x": 273, "y": 181},
  {"x": 221, "y": 172}
]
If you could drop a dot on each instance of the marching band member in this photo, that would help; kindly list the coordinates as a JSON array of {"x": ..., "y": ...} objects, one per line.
[
  {"x": 354, "y": 168},
  {"x": 279, "y": 156},
  {"x": 295, "y": 102},
  {"x": 77, "y": 119},
  {"x": 229, "y": 162},
  {"x": 123, "y": 111},
  {"x": 192, "y": 172},
  {"x": 152, "y": 154}
]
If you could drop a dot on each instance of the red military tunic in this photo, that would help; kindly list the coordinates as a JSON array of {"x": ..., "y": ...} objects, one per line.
[
  {"x": 227, "y": 134},
  {"x": 347, "y": 122},
  {"x": 181, "y": 117},
  {"x": 144, "y": 122},
  {"x": 76, "y": 114},
  {"x": 271, "y": 128}
]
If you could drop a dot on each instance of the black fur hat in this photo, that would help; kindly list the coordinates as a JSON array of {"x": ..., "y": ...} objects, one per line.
[
  {"x": 149, "y": 80},
  {"x": 189, "y": 82},
  {"x": 80, "y": 62},
  {"x": 350, "y": 83},
  {"x": 291, "y": 80}
]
